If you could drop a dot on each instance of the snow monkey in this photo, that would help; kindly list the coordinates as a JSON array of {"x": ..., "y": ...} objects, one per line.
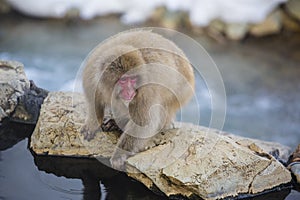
[{"x": 143, "y": 79}]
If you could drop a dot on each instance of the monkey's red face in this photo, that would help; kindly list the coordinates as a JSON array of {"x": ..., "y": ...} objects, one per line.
[{"x": 127, "y": 85}]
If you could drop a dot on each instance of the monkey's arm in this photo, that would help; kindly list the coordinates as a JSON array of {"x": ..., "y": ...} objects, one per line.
[{"x": 93, "y": 121}]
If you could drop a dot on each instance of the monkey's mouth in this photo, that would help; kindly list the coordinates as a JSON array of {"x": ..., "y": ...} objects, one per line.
[{"x": 130, "y": 96}]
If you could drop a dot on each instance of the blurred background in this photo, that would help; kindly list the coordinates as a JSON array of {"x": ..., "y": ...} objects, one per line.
[{"x": 254, "y": 43}]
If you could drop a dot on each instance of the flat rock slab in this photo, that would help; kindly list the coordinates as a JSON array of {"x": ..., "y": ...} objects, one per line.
[
  {"x": 208, "y": 165},
  {"x": 189, "y": 161},
  {"x": 57, "y": 131}
]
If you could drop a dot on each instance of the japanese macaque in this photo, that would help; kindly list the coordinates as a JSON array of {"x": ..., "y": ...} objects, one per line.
[{"x": 143, "y": 79}]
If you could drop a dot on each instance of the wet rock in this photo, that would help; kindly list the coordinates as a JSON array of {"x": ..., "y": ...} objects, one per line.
[
  {"x": 295, "y": 169},
  {"x": 29, "y": 105},
  {"x": 293, "y": 7},
  {"x": 20, "y": 99},
  {"x": 190, "y": 161},
  {"x": 294, "y": 164},
  {"x": 13, "y": 84},
  {"x": 271, "y": 25}
]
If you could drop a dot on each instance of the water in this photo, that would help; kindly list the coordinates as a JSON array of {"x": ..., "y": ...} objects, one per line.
[{"x": 261, "y": 78}]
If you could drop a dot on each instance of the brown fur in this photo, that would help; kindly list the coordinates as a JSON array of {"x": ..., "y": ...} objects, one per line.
[{"x": 109, "y": 61}]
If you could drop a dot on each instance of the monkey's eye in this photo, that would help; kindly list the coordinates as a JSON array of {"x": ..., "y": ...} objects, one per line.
[
  {"x": 128, "y": 79},
  {"x": 123, "y": 80},
  {"x": 133, "y": 80}
]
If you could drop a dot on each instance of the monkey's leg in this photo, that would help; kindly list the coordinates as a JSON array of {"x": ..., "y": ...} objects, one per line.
[
  {"x": 170, "y": 119},
  {"x": 93, "y": 121},
  {"x": 127, "y": 146},
  {"x": 170, "y": 125},
  {"x": 136, "y": 136}
]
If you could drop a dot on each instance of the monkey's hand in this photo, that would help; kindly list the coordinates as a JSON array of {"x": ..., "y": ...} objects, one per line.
[
  {"x": 118, "y": 159},
  {"x": 87, "y": 133},
  {"x": 109, "y": 124}
]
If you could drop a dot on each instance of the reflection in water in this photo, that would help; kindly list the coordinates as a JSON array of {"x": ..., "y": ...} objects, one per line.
[
  {"x": 99, "y": 181},
  {"x": 11, "y": 133}
]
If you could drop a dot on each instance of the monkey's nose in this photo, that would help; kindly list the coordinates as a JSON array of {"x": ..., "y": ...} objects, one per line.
[
  {"x": 128, "y": 84},
  {"x": 130, "y": 94}
]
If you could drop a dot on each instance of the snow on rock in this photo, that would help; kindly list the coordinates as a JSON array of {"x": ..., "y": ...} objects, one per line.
[
  {"x": 201, "y": 12},
  {"x": 231, "y": 11}
]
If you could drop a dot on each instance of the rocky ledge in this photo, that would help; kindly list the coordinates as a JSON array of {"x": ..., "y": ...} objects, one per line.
[{"x": 189, "y": 161}]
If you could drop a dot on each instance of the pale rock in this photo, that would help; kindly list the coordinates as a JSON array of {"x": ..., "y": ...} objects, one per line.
[
  {"x": 260, "y": 145},
  {"x": 295, "y": 169},
  {"x": 57, "y": 131},
  {"x": 217, "y": 25},
  {"x": 289, "y": 22},
  {"x": 293, "y": 7},
  {"x": 236, "y": 31},
  {"x": 200, "y": 162},
  {"x": 189, "y": 160},
  {"x": 13, "y": 84},
  {"x": 271, "y": 25}
]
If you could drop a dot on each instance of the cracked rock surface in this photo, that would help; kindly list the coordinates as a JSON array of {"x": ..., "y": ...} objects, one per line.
[
  {"x": 20, "y": 99},
  {"x": 57, "y": 131},
  {"x": 200, "y": 162},
  {"x": 13, "y": 84},
  {"x": 189, "y": 160}
]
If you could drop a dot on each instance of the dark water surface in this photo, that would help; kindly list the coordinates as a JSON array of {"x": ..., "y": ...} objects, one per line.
[{"x": 261, "y": 78}]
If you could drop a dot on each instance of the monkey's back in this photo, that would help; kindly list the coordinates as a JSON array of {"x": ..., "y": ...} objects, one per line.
[
  {"x": 137, "y": 39},
  {"x": 153, "y": 47}
]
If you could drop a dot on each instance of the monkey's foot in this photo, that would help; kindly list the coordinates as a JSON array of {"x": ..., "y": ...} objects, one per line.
[
  {"x": 87, "y": 133},
  {"x": 118, "y": 159}
]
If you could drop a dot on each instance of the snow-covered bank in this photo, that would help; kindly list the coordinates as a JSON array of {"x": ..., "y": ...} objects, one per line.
[{"x": 201, "y": 12}]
